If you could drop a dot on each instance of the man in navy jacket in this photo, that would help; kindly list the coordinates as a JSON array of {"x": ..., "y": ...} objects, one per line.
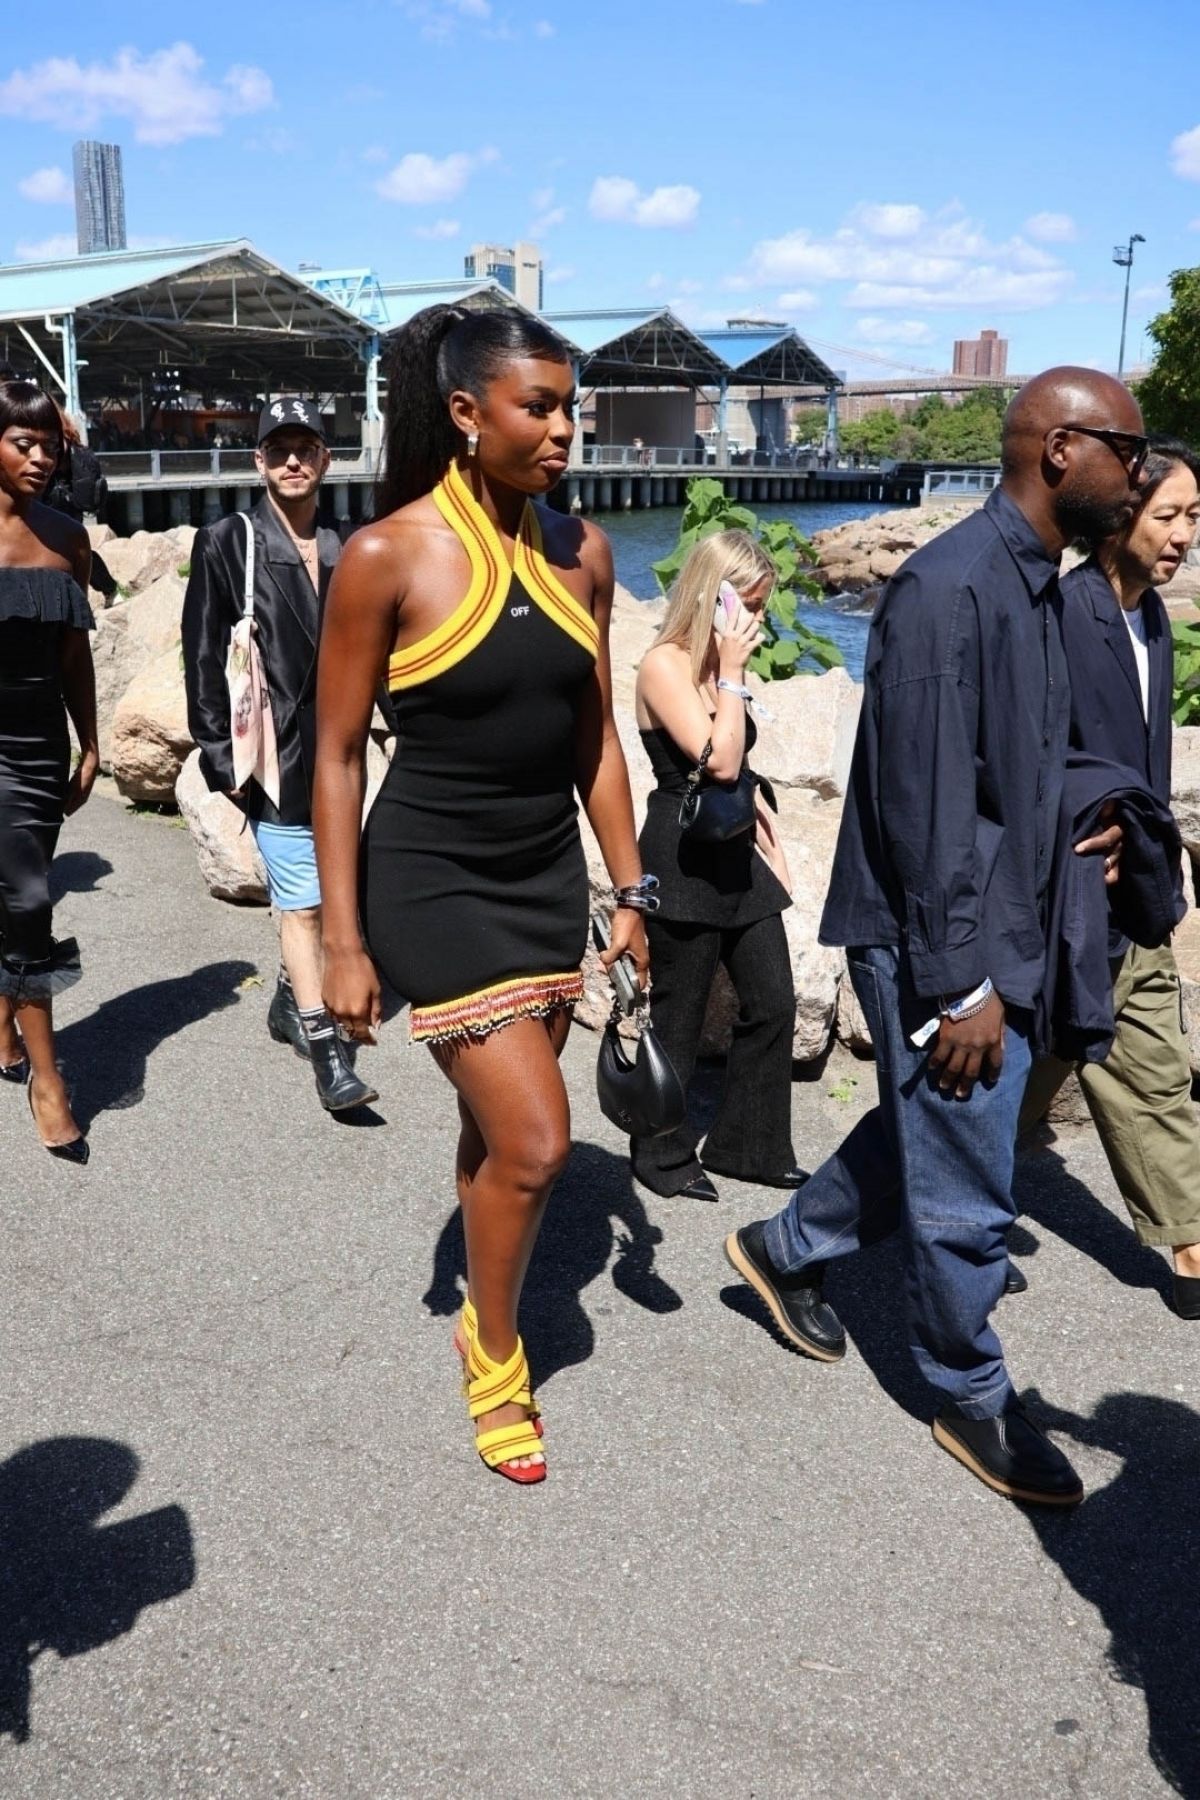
[
  {"x": 1119, "y": 652},
  {"x": 938, "y": 891}
]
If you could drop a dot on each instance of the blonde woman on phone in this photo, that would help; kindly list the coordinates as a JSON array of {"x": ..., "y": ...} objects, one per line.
[{"x": 720, "y": 902}]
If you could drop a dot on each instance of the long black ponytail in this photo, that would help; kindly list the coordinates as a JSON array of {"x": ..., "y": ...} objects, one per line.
[{"x": 442, "y": 351}]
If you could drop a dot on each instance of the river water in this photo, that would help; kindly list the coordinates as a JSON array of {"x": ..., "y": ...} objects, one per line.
[{"x": 641, "y": 538}]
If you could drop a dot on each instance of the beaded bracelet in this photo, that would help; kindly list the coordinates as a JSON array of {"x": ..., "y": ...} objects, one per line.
[{"x": 642, "y": 897}]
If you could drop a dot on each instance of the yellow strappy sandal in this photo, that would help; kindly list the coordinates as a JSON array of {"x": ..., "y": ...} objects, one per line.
[
  {"x": 465, "y": 1334},
  {"x": 491, "y": 1385}
]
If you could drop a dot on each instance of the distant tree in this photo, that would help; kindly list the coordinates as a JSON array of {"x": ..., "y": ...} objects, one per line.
[
  {"x": 1170, "y": 393},
  {"x": 808, "y": 425}
]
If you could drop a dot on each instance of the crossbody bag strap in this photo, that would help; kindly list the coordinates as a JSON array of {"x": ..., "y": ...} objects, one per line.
[
  {"x": 248, "y": 583},
  {"x": 697, "y": 774}
]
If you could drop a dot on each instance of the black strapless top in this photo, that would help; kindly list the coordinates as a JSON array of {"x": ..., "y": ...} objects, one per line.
[
  {"x": 34, "y": 606},
  {"x": 701, "y": 884}
]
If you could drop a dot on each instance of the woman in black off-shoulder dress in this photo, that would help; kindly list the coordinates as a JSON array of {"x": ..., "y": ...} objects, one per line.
[{"x": 45, "y": 674}]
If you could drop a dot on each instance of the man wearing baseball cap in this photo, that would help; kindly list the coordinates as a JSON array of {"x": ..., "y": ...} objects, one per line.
[{"x": 293, "y": 559}]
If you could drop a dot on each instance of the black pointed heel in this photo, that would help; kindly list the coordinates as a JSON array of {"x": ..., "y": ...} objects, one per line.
[
  {"x": 77, "y": 1151},
  {"x": 16, "y": 1072}
]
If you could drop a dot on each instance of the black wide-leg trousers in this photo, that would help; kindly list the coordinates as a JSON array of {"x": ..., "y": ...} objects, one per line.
[{"x": 751, "y": 1135}]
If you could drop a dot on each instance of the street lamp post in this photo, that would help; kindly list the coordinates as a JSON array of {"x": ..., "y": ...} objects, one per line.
[{"x": 1123, "y": 257}]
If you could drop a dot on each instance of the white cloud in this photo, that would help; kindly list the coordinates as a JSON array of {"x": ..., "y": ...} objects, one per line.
[
  {"x": 900, "y": 257},
  {"x": 422, "y": 180},
  {"x": 164, "y": 95},
  {"x": 798, "y": 300},
  {"x": 546, "y": 214},
  {"x": 441, "y": 228},
  {"x": 374, "y": 153},
  {"x": 1185, "y": 154},
  {"x": 620, "y": 201},
  {"x": 49, "y": 187},
  {"x": 439, "y": 19},
  {"x": 893, "y": 331},
  {"x": 559, "y": 272},
  {"x": 890, "y": 220},
  {"x": 1052, "y": 228},
  {"x": 655, "y": 283},
  {"x": 542, "y": 28},
  {"x": 51, "y": 249},
  {"x": 1151, "y": 290}
]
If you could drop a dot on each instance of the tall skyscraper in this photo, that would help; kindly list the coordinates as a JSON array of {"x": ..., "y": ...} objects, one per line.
[
  {"x": 519, "y": 270},
  {"x": 986, "y": 355},
  {"x": 99, "y": 197}
]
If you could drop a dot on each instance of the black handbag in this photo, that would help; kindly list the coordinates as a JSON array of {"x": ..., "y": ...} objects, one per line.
[
  {"x": 712, "y": 812},
  {"x": 642, "y": 1095}
]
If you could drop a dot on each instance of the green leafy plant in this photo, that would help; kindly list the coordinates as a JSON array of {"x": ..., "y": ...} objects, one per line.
[
  {"x": 789, "y": 647},
  {"x": 843, "y": 1090},
  {"x": 1185, "y": 695},
  {"x": 184, "y": 570}
]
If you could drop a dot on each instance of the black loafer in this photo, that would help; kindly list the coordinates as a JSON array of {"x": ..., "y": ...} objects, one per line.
[
  {"x": 1010, "y": 1455},
  {"x": 795, "y": 1301},
  {"x": 1187, "y": 1296},
  {"x": 1016, "y": 1281},
  {"x": 788, "y": 1178}
]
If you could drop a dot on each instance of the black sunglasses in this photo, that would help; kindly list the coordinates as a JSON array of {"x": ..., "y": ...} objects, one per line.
[{"x": 1129, "y": 446}]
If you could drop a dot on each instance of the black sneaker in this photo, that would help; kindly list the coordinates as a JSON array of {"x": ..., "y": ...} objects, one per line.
[
  {"x": 803, "y": 1316},
  {"x": 1012, "y": 1455},
  {"x": 1016, "y": 1281}
]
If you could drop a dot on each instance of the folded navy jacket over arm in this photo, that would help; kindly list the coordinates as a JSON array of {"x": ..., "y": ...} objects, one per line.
[{"x": 1075, "y": 1012}]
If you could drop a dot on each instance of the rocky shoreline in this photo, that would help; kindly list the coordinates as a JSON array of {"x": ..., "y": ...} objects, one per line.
[{"x": 804, "y": 749}]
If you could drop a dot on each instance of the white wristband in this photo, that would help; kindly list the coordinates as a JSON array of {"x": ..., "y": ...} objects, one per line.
[
  {"x": 977, "y": 999},
  {"x": 733, "y": 687}
]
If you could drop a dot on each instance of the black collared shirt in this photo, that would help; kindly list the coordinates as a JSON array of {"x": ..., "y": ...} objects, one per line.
[{"x": 947, "y": 837}]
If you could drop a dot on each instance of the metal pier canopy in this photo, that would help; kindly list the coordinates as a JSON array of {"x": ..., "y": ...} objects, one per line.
[{"x": 220, "y": 317}]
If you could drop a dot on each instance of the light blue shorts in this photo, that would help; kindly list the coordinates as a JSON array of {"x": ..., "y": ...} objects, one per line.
[{"x": 290, "y": 859}]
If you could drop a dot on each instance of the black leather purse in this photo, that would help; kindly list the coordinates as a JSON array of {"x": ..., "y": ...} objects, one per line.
[
  {"x": 641, "y": 1095},
  {"x": 712, "y": 812}
]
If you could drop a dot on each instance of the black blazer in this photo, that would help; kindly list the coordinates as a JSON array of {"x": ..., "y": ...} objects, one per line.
[
  {"x": 1106, "y": 699},
  {"x": 288, "y": 616}
]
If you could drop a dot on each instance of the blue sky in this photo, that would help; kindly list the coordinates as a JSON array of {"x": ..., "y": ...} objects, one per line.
[{"x": 886, "y": 177}]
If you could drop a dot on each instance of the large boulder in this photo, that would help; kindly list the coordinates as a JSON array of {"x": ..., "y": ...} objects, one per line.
[
  {"x": 229, "y": 862},
  {"x": 809, "y": 738},
  {"x": 128, "y": 637},
  {"x": 137, "y": 562},
  {"x": 150, "y": 739}
]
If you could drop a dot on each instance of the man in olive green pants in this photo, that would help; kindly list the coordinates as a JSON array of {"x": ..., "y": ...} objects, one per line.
[
  {"x": 1119, "y": 655},
  {"x": 1140, "y": 1099}
]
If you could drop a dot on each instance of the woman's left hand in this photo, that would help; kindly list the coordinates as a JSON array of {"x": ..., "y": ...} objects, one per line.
[
  {"x": 629, "y": 938},
  {"x": 82, "y": 782}
]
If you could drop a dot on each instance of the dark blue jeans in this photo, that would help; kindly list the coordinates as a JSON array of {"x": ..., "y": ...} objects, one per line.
[{"x": 938, "y": 1169}]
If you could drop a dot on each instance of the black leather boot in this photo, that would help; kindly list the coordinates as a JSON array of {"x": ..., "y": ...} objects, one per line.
[
  {"x": 338, "y": 1087},
  {"x": 1012, "y": 1455},
  {"x": 283, "y": 1019}
]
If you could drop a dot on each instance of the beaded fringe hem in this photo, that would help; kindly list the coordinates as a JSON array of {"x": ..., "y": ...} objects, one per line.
[{"x": 477, "y": 1015}]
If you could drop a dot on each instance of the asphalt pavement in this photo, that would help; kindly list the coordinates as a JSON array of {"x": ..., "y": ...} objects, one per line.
[{"x": 247, "y": 1549}]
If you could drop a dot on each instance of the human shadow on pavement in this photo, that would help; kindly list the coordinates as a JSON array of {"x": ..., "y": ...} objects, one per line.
[
  {"x": 1046, "y": 1192},
  {"x": 1133, "y": 1551},
  {"x": 594, "y": 1220},
  {"x": 68, "y": 1583},
  {"x": 77, "y": 872},
  {"x": 105, "y": 1054}
]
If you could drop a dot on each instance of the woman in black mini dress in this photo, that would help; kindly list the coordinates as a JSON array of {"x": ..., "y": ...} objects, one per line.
[
  {"x": 487, "y": 616},
  {"x": 720, "y": 903},
  {"x": 45, "y": 673}
]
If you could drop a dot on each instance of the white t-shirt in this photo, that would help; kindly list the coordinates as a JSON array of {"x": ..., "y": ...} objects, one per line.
[{"x": 1135, "y": 619}]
